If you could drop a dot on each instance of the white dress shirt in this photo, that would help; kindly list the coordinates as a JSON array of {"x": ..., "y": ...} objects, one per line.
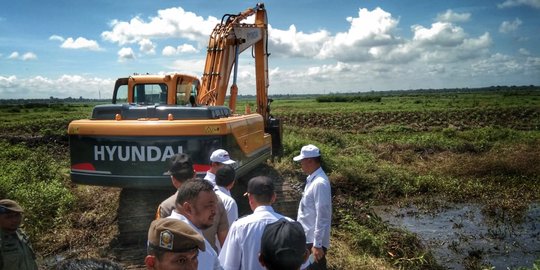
[
  {"x": 243, "y": 243},
  {"x": 315, "y": 210},
  {"x": 207, "y": 259},
  {"x": 228, "y": 201},
  {"x": 210, "y": 177}
]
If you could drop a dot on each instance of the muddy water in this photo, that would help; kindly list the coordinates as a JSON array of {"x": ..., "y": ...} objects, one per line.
[{"x": 460, "y": 232}]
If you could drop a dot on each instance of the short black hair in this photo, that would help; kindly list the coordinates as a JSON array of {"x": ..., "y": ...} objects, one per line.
[
  {"x": 181, "y": 167},
  {"x": 191, "y": 189},
  {"x": 225, "y": 176}
]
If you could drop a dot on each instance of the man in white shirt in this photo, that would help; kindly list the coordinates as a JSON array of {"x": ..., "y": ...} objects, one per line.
[
  {"x": 172, "y": 244},
  {"x": 225, "y": 179},
  {"x": 315, "y": 209},
  {"x": 196, "y": 205},
  {"x": 218, "y": 158},
  {"x": 241, "y": 248}
]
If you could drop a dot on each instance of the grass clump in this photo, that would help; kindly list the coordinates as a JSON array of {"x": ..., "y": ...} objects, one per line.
[
  {"x": 370, "y": 237},
  {"x": 36, "y": 181}
]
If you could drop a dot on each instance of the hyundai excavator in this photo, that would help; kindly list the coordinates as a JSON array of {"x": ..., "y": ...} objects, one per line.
[{"x": 128, "y": 143}]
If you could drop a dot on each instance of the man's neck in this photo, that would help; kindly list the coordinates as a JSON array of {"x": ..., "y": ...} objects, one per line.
[{"x": 314, "y": 169}]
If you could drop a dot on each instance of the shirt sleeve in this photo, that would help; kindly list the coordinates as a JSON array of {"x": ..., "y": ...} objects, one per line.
[
  {"x": 223, "y": 220},
  {"x": 231, "y": 252},
  {"x": 323, "y": 210},
  {"x": 232, "y": 214}
]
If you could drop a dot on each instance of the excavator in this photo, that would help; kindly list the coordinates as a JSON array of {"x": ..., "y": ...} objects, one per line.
[{"x": 128, "y": 143}]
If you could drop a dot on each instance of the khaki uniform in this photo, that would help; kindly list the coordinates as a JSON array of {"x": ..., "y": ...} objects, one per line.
[
  {"x": 221, "y": 221},
  {"x": 16, "y": 252}
]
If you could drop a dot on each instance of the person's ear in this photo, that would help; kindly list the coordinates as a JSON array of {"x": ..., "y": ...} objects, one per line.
[
  {"x": 273, "y": 198},
  {"x": 187, "y": 207},
  {"x": 261, "y": 260},
  {"x": 149, "y": 261}
]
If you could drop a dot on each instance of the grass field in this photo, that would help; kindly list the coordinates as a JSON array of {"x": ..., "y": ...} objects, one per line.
[{"x": 461, "y": 147}]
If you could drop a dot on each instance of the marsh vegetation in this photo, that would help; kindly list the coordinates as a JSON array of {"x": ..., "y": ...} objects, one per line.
[{"x": 429, "y": 149}]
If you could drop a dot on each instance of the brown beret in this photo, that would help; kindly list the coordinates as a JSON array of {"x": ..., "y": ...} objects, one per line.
[
  {"x": 173, "y": 235},
  {"x": 7, "y": 205}
]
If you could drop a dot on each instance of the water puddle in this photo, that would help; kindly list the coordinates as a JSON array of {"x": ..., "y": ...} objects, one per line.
[{"x": 461, "y": 230}]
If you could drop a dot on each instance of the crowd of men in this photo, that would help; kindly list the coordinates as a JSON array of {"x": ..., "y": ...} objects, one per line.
[{"x": 198, "y": 227}]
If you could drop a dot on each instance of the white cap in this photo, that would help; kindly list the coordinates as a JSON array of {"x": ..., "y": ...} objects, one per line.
[
  {"x": 308, "y": 151},
  {"x": 221, "y": 156}
]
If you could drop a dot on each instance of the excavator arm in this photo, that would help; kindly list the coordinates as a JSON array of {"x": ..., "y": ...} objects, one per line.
[{"x": 228, "y": 39}]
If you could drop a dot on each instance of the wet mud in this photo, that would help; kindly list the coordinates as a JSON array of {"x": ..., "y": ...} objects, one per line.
[{"x": 460, "y": 235}]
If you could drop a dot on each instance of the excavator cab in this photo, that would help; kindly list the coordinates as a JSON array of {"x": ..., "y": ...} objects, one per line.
[{"x": 147, "y": 90}]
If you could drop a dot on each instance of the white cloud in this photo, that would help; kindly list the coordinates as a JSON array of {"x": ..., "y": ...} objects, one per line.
[
  {"x": 524, "y": 51},
  {"x": 13, "y": 55},
  {"x": 80, "y": 43},
  {"x": 369, "y": 29},
  {"x": 292, "y": 43},
  {"x": 515, "y": 3},
  {"x": 507, "y": 27},
  {"x": 169, "y": 23},
  {"x": 62, "y": 87},
  {"x": 168, "y": 51},
  {"x": 182, "y": 49},
  {"x": 25, "y": 57},
  {"x": 440, "y": 34},
  {"x": 192, "y": 67},
  {"x": 57, "y": 37},
  {"x": 125, "y": 53},
  {"x": 451, "y": 16},
  {"x": 7, "y": 81},
  {"x": 147, "y": 47},
  {"x": 29, "y": 56}
]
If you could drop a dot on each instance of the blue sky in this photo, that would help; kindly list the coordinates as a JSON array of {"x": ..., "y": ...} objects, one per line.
[{"x": 73, "y": 48}]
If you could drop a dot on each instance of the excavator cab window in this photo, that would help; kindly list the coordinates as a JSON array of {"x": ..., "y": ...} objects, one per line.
[
  {"x": 149, "y": 94},
  {"x": 185, "y": 89},
  {"x": 121, "y": 94}
]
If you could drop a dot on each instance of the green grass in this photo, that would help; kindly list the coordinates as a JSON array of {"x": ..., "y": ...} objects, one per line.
[
  {"x": 37, "y": 181},
  {"x": 413, "y": 102}
]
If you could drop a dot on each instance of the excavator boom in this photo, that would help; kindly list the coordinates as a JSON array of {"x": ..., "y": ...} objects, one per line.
[{"x": 228, "y": 40}]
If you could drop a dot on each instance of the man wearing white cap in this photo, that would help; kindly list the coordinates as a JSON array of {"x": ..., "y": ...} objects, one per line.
[
  {"x": 315, "y": 209},
  {"x": 218, "y": 159}
]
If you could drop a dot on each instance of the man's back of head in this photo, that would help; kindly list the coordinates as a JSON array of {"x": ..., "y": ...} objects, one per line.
[
  {"x": 181, "y": 167},
  {"x": 261, "y": 188},
  {"x": 225, "y": 176},
  {"x": 283, "y": 246}
]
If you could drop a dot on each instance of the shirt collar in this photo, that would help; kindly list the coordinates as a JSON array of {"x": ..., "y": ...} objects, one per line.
[
  {"x": 223, "y": 189},
  {"x": 314, "y": 174},
  {"x": 183, "y": 218},
  {"x": 264, "y": 208}
]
